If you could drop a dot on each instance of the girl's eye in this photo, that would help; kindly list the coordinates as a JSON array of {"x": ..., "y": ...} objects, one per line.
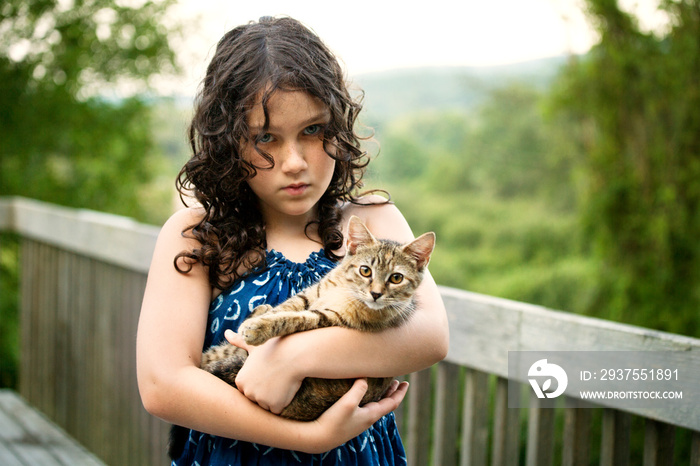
[
  {"x": 396, "y": 278},
  {"x": 365, "y": 271},
  {"x": 312, "y": 130},
  {"x": 265, "y": 138}
]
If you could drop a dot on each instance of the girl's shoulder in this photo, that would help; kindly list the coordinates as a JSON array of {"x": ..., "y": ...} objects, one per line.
[
  {"x": 382, "y": 218},
  {"x": 173, "y": 238},
  {"x": 184, "y": 218}
]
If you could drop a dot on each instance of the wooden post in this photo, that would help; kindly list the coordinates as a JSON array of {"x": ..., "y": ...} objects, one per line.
[
  {"x": 659, "y": 443},
  {"x": 577, "y": 430},
  {"x": 475, "y": 428},
  {"x": 418, "y": 438},
  {"x": 615, "y": 441},
  {"x": 446, "y": 414},
  {"x": 695, "y": 450},
  {"x": 506, "y": 428},
  {"x": 540, "y": 434}
]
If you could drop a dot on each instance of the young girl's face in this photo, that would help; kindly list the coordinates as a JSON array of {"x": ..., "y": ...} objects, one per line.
[{"x": 302, "y": 170}]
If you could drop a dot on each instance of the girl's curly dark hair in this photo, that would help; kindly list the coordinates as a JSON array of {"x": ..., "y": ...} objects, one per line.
[{"x": 250, "y": 60}]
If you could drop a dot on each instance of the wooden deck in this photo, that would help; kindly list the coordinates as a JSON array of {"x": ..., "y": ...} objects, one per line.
[{"x": 28, "y": 438}]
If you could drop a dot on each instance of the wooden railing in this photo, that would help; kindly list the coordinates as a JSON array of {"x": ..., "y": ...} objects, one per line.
[{"x": 83, "y": 274}]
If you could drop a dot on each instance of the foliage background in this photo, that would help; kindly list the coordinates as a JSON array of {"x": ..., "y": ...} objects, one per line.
[
  {"x": 68, "y": 132},
  {"x": 571, "y": 182}
]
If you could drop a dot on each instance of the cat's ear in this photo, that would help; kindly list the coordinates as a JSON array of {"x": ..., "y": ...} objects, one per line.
[
  {"x": 358, "y": 235},
  {"x": 421, "y": 248}
]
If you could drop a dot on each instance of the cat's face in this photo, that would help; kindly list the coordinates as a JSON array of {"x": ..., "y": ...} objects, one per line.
[
  {"x": 380, "y": 276},
  {"x": 384, "y": 273}
]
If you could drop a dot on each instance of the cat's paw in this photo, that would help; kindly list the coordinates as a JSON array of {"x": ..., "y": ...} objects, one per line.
[
  {"x": 259, "y": 310},
  {"x": 253, "y": 332}
]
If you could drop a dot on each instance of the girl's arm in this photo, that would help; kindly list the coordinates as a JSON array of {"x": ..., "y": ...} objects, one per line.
[
  {"x": 169, "y": 344},
  {"x": 343, "y": 353}
]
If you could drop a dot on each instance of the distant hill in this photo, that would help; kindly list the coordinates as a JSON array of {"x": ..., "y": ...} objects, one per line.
[
  {"x": 388, "y": 95},
  {"x": 397, "y": 92}
]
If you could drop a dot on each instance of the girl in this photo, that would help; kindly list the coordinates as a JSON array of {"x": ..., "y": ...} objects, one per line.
[{"x": 275, "y": 164}]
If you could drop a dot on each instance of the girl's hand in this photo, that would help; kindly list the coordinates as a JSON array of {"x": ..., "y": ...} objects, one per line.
[
  {"x": 346, "y": 419},
  {"x": 341, "y": 422},
  {"x": 266, "y": 378}
]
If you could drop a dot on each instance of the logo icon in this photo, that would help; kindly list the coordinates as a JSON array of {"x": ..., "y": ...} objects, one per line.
[{"x": 541, "y": 369}]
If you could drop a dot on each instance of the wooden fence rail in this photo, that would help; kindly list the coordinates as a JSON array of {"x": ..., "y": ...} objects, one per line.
[{"x": 82, "y": 279}]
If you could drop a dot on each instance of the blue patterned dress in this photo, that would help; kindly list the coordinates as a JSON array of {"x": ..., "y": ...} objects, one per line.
[{"x": 280, "y": 279}]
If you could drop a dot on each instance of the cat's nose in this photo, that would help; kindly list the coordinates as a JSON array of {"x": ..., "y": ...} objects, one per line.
[{"x": 376, "y": 295}]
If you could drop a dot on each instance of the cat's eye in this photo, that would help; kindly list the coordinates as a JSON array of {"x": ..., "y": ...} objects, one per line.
[
  {"x": 365, "y": 271},
  {"x": 396, "y": 278}
]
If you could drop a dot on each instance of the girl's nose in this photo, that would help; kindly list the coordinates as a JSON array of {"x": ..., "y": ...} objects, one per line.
[{"x": 294, "y": 160}]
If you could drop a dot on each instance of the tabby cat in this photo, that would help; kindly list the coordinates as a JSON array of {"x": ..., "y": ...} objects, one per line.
[{"x": 371, "y": 289}]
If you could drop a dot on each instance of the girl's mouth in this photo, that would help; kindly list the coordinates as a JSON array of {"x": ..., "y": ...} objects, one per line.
[{"x": 295, "y": 189}]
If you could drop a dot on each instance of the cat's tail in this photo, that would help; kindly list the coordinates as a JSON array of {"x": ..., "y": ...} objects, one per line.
[{"x": 178, "y": 439}]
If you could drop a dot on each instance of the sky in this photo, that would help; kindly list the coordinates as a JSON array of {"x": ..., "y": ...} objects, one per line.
[{"x": 377, "y": 35}]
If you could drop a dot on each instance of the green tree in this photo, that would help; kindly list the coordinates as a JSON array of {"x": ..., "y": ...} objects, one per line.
[
  {"x": 412, "y": 144},
  {"x": 636, "y": 97},
  {"x": 59, "y": 140},
  {"x": 515, "y": 150}
]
